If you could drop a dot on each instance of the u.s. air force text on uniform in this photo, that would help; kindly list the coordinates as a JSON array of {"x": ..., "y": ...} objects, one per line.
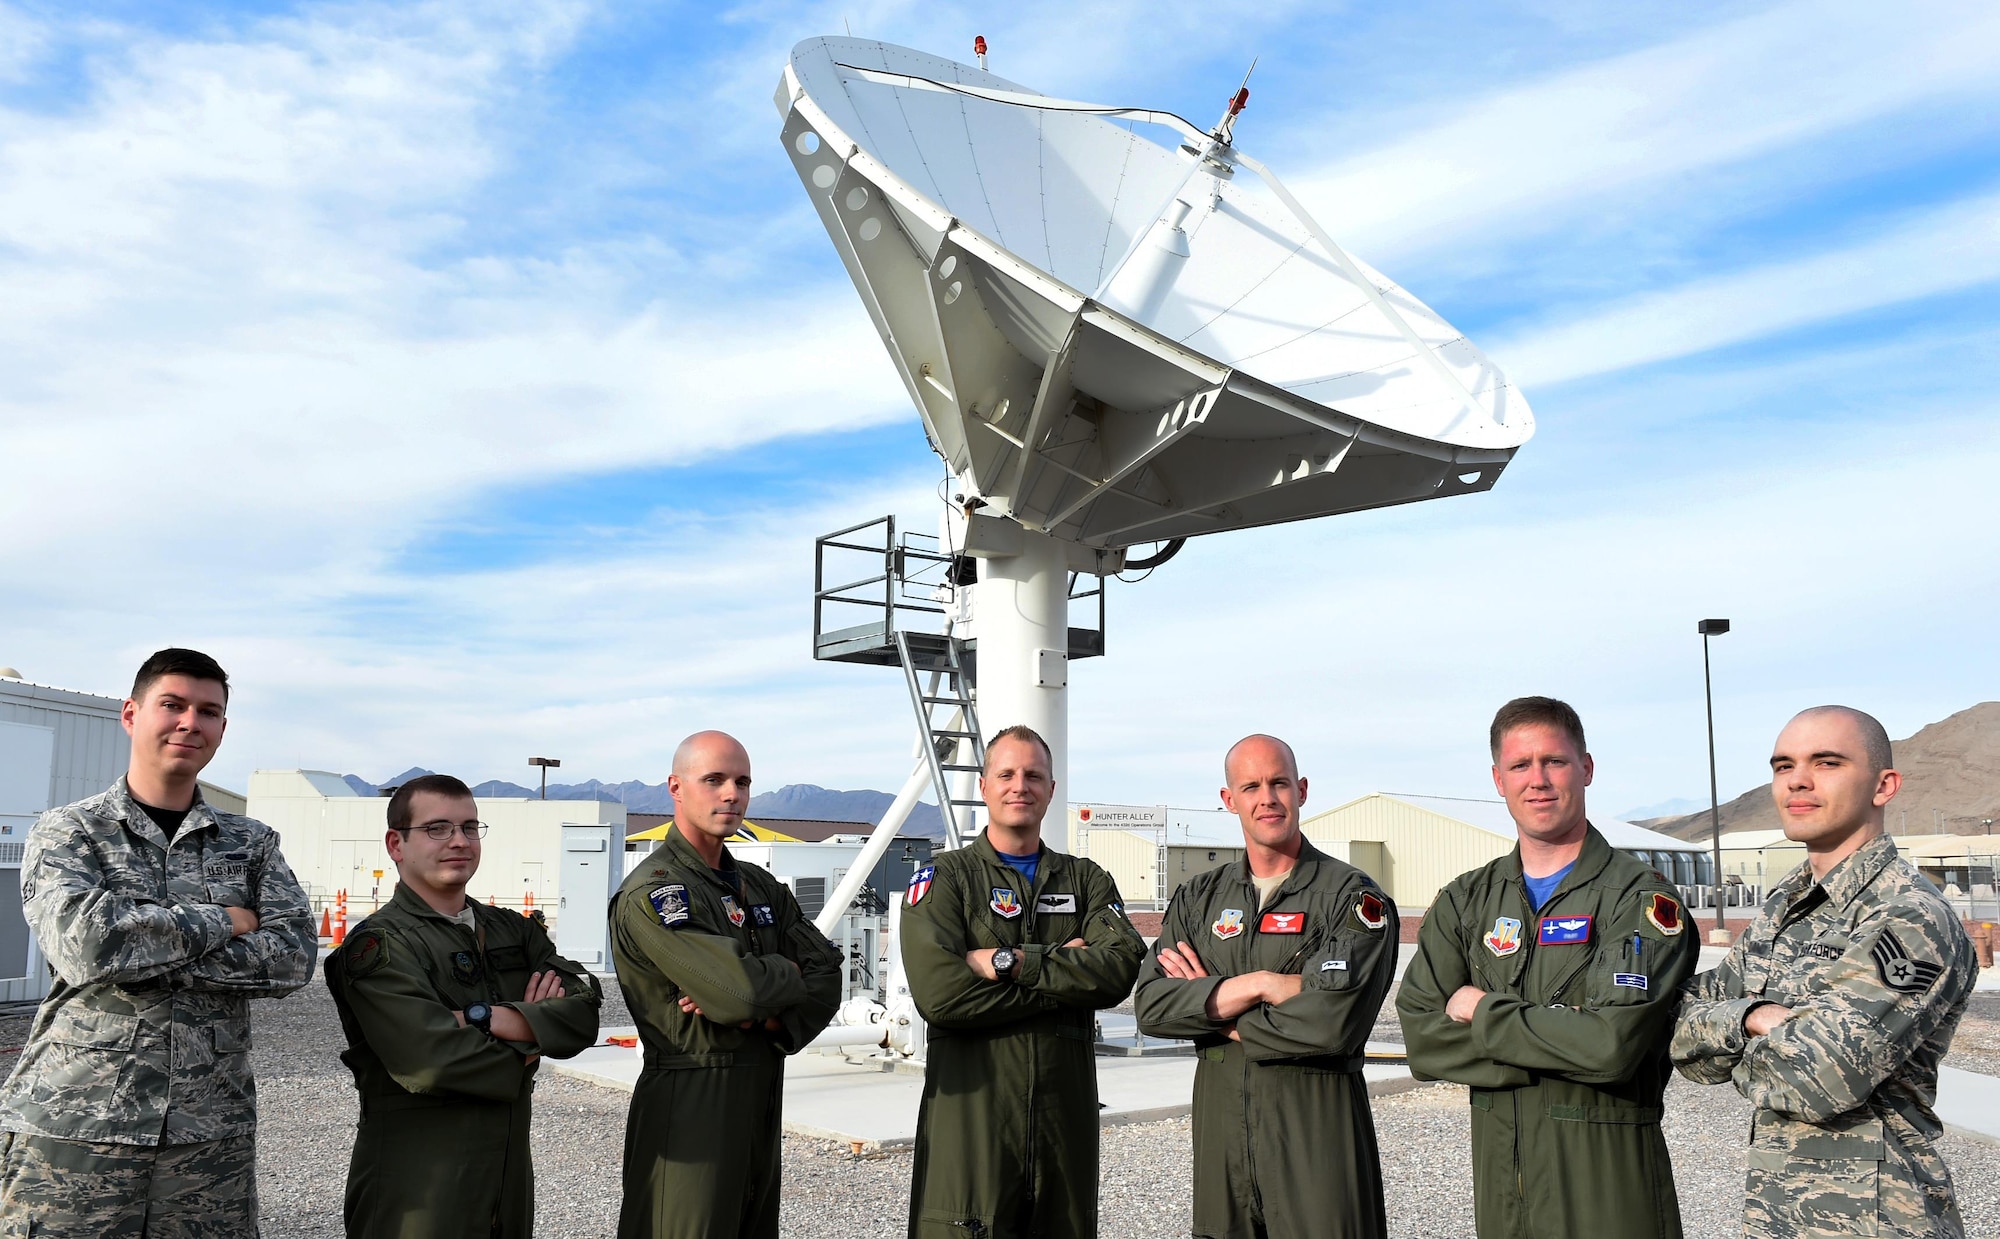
[
  {"x": 442, "y": 1148},
  {"x": 1284, "y": 1140},
  {"x": 1007, "y": 1132},
  {"x": 1567, "y": 1052},
  {"x": 144, "y": 1038},
  {"x": 702, "y": 1142},
  {"x": 1877, "y": 970}
]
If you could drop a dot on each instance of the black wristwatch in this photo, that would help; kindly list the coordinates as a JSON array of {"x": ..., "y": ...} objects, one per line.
[
  {"x": 1005, "y": 960},
  {"x": 480, "y": 1016}
]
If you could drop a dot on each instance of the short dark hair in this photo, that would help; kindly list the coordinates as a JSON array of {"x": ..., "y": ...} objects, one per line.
[
  {"x": 1874, "y": 737},
  {"x": 436, "y": 784},
  {"x": 193, "y": 664},
  {"x": 1022, "y": 732},
  {"x": 1535, "y": 712}
]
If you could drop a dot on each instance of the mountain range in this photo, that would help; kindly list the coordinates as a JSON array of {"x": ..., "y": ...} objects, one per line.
[
  {"x": 792, "y": 801},
  {"x": 1951, "y": 785}
]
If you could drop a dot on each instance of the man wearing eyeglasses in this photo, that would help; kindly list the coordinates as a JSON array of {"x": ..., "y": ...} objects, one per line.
[{"x": 448, "y": 1004}]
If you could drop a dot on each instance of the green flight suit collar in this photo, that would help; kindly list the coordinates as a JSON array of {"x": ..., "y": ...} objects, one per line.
[
  {"x": 1052, "y": 862},
  {"x": 691, "y": 860},
  {"x": 1590, "y": 862},
  {"x": 124, "y": 806},
  {"x": 1300, "y": 877},
  {"x": 413, "y": 904}
]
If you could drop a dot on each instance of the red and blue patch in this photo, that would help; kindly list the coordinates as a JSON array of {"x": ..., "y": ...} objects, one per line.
[
  {"x": 1563, "y": 931},
  {"x": 1006, "y": 902},
  {"x": 920, "y": 884}
]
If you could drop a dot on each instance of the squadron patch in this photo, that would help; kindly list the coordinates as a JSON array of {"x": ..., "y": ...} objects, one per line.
[
  {"x": 1562, "y": 931},
  {"x": 671, "y": 903},
  {"x": 1229, "y": 924},
  {"x": 1006, "y": 902},
  {"x": 1055, "y": 903},
  {"x": 1664, "y": 912},
  {"x": 1505, "y": 937},
  {"x": 363, "y": 954},
  {"x": 1371, "y": 911},
  {"x": 1282, "y": 923},
  {"x": 732, "y": 910},
  {"x": 1900, "y": 972},
  {"x": 762, "y": 914},
  {"x": 920, "y": 884},
  {"x": 464, "y": 967}
]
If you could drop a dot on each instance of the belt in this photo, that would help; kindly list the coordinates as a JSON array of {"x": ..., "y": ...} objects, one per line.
[{"x": 1346, "y": 1064}]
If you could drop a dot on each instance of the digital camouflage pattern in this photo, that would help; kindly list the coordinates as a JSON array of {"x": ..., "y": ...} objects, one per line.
[
  {"x": 1567, "y": 1052},
  {"x": 72, "y": 1189},
  {"x": 442, "y": 1150},
  {"x": 1007, "y": 1131},
  {"x": 1284, "y": 1139},
  {"x": 144, "y": 1037},
  {"x": 703, "y": 1137},
  {"x": 1877, "y": 970}
]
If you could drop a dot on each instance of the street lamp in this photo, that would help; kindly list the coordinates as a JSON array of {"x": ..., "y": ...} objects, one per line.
[
  {"x": 546, "y": 762},
  {"x": 1713, "y": 628}
]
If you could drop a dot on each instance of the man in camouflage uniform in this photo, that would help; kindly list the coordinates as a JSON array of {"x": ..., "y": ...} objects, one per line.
[
  {"x": 1547, "y": 981},
  {"x": 132, "y": 1110},
  {"x": 1276, "y": 967},
  {"x": 725, "y": 977},
  {"x": 1011, "y": 947},
  {"x": 1830, "y": 1014},
  {"x": 448, "y": 1005}
]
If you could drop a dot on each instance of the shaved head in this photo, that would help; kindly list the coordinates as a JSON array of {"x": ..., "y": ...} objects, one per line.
[
  {"x": 1258, "y": 741},
  {"x": 1874, "y": 737},
  {"x": 700, "y": 749}
]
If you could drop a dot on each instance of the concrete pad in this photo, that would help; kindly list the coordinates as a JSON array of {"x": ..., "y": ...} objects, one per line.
[{"x": 857, "y": 1100}]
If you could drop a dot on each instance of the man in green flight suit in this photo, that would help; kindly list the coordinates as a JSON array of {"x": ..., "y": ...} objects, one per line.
[
  {"x": 1276, "y": 967},
  {"x": 1547, "y": 981},
  {"x": 448, "y": 1004},
  {"x": 1009, "y": 947},
  {"x": 725, "y": 977},
  {"x": 1830, "y": 1014}
]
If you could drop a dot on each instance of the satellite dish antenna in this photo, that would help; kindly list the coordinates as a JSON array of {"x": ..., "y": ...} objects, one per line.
[{"x": 1112, "y": 342}]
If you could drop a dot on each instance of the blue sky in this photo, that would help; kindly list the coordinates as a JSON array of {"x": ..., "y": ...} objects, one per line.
[{"x": 473, "y": 378}]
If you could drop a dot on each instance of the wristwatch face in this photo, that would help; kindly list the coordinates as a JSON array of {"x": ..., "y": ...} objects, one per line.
[
  {"x": 1004, "y": 960},
  {"x": 478, "y": 1015}
]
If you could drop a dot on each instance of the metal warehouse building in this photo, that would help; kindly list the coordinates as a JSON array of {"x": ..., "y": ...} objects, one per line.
[
  {"x": 1415, "y": 845},
  {"x": 56, "y": 745}
]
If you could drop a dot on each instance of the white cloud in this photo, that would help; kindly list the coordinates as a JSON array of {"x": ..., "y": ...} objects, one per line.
[
  {"x": 1532, "y": 157},
  {"x": 1938, "y": 251}
]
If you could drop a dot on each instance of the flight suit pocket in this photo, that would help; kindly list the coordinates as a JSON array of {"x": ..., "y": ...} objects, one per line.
[
  {"x": 226, "y": 875},
  {"x": 232, "y": 1036}
]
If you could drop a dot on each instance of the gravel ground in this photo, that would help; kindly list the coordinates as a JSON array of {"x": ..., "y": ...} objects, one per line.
[
  {"x": 1976, "y": 1044},
  {"x": 307, "y": 1105}
]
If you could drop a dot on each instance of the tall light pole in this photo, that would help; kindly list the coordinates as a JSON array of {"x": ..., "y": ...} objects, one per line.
[
  {"x": 1719, "y": 936},
  {"x": 546, "y": 762}
]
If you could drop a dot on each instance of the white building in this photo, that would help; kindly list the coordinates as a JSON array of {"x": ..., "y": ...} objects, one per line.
[
  {"x": 56, "y": 745},
  {"x": 333, "y": 839}
]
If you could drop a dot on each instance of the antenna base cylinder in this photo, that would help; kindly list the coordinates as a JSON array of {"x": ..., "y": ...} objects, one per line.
[{"x": 1021, "y": 618}]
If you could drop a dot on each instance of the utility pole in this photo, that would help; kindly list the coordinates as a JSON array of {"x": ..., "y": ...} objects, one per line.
[
  {"x": 1719, "y": 936},
  {"x": 544, "y": 763}
]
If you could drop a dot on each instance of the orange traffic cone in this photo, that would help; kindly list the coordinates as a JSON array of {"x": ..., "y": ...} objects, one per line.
[
  {"x": 326, "y": 922},
  {"x": 530, "y": 901},
  {"x": 340, "y": 926}
]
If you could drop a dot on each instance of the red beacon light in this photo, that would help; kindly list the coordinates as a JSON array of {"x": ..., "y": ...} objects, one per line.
[{"x": 979, "y": 48}]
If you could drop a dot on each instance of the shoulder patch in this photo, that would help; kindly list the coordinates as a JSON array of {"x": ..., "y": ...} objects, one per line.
[
  {"x": 920, "y": 884},
  {"x": 1899, "y": 971},
  {"x": 1371, "y": 911},
  {"x": 363, "y": 953},
  {"x": 1663, "y": 912},
  {"x": 670, "y": 904}
]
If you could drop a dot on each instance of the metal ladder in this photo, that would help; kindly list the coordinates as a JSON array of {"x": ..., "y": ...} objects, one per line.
[{"x": 945, "y": 742}]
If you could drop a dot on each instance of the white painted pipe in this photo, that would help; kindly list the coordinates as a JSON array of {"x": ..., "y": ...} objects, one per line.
[
  {"x": 871, "y": 852},
  {"x": 1021, "y": 617},
  {"x": 848, "y": 1034}
]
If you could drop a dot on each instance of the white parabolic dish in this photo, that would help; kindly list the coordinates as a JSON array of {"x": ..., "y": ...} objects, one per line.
[{"x": 1115, "y": 341}]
